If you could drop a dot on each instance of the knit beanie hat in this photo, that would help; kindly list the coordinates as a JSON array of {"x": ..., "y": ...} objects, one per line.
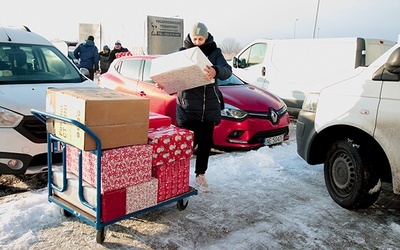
[
  {"x": 199, "y": 29},
  {"x": 106, "y": 47}
]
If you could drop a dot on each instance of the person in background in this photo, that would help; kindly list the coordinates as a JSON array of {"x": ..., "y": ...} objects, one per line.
[
  {"x": 117, "y": 49},
  {"x": 104, "y": 55},
  {"x": 199, "y": 109},
  {"x": 88, "y": 56}
]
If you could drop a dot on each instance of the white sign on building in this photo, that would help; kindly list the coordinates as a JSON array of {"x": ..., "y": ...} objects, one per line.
[{"x": 164, "y": 35}]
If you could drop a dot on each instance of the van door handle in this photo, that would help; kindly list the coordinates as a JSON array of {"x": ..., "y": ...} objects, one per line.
[{"x": 263, "y": 71}]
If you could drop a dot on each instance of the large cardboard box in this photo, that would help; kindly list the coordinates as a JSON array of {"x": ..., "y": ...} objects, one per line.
[
  {"x": 118, "y": 119},
  {"x": 180, "y": 70}
]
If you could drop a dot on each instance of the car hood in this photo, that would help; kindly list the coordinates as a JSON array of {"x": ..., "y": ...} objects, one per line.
[
  {"x": 250, "y": 98},
  {"x": 21, "y": 98}
]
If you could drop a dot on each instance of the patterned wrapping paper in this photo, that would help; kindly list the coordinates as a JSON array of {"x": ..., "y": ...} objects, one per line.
[
  {"x": 120, "y": 167},
  {"x": 180, "y": 70},
  {"x": 173, "y": 178},
  {"x": 122, "y": 54},
  {"x": 141, "y": 196},
  {"x": 158, "y": 120},
  {"x": 170, "y": 144}
]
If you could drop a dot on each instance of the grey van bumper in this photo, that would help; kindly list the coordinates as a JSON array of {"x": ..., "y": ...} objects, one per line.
[{"x": 305, "y": 134}]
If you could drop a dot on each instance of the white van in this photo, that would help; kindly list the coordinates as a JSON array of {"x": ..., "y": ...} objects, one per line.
[
  {"x": 292, "y": 68},
  {"x": 352, "y": 126},
  {"x": 29, "y": 64}
]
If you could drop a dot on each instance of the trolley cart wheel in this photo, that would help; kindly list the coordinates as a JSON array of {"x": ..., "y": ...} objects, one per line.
[
  {"x": 182, "y": 204},
  {"x": 100, "y": 236},
  {"x": 65, "y": 213}
]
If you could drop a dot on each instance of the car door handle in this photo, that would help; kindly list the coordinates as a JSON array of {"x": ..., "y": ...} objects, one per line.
[{"x": 263, "y": 71}]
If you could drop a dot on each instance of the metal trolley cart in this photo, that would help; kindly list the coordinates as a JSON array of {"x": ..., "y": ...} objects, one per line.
[{"x": 57, "y": 145}]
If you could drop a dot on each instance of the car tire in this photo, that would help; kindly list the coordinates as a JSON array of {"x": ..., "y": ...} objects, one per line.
[{"x": 351, "y": 176}]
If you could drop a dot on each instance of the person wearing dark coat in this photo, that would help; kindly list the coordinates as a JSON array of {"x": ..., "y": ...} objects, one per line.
[
  {"x": 117, "y": 49},
  {"x": 104, "y": 55},
  {"x": 198, "y": 109},
  {"x": 88, "y": 56}
]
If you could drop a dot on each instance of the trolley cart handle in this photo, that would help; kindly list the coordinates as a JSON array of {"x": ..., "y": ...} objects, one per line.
[{"x": 43, "y": 117}]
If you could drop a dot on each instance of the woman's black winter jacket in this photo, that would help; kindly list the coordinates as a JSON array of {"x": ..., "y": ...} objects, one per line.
[{"x": 202, "y": 103}]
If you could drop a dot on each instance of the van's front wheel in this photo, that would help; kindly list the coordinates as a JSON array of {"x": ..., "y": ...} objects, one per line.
[{"x": 351, "y": 178}]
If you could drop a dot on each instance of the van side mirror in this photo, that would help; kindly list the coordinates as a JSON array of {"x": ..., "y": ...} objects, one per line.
[
  {"x": 239, "y": 63},
  {"x": 390, "y": 71},
  {"x": 242, "y": 63},
  {"x": 235, "y": 62},
  {"x": 393, "y": 62}
]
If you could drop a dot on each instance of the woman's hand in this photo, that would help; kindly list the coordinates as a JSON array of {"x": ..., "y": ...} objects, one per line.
[
  {"x": 210, "y": 73},
  {"x": 159, "y": 86}
]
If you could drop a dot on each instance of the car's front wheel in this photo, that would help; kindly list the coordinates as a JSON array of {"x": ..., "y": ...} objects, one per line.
[{"x": 351, "y": 178}]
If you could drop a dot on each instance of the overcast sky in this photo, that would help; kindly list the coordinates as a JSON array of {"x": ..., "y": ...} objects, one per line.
[{"x": 241, "y": 20}]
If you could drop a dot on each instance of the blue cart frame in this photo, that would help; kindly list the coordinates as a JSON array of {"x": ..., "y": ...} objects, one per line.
[{"x": 55, "y": 144}]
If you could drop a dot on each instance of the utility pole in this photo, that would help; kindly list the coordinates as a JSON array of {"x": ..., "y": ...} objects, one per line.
[{"x": 316, "y": 18}]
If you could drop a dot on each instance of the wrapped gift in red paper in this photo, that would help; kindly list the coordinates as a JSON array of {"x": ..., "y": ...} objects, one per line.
[
  {"x": 113, "y": 202},
  {"x": 121, "y": 54},
  {"x": 141, "y": 196},
  {"x": 120, "y": 167},
  {"x": 158, "y": 120},
  {"x": 173, "y": 178},
  {"x": 170, "y": 144}
]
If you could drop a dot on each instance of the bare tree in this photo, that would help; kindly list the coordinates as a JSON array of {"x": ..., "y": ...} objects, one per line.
[{"x": 230, "y": 47}]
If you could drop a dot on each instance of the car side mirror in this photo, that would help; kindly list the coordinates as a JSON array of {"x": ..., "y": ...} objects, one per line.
[
  {"x": 84, "y": 72},
  {"x": 390, "y": 71}
]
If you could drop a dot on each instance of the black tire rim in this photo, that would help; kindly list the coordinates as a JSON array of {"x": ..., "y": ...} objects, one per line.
[{"x": 343, "y": 174}]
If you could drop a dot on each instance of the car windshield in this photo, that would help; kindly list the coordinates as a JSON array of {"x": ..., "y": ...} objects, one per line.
[
  {"x": 24, "y": 63},
  {"x": 233, "y": 80}
]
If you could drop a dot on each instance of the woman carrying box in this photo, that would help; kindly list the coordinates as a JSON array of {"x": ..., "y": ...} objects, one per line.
[{"x": 199, "y": 109}]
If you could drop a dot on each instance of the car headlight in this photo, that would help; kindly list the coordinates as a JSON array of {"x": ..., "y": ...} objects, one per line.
[
  {"x": 311, "y": 102},
  {"x": 232, "y": 112},
  {"x": 282, "y": 110},
  {"x": 9, "y": 119}
]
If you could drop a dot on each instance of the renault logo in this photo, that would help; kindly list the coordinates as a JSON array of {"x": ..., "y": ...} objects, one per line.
[{"x": 274, "y": 116}]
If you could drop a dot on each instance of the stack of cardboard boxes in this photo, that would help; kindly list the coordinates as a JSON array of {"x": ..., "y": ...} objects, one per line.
[{"x": 145, "y": 160}]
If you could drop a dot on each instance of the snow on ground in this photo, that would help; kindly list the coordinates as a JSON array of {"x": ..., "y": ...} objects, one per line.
[{"x": 262, "y": 199}]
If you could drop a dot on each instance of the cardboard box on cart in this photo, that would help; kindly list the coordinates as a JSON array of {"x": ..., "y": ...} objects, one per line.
[
  {"x": 118, "y": 119},
  {"x": 180, "y": 70}
]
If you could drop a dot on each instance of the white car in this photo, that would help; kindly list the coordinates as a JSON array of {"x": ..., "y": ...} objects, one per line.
[{"x": 29, "y": 64}]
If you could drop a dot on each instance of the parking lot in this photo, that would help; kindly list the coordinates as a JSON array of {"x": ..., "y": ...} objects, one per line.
[{"x": 264, "y": 199}]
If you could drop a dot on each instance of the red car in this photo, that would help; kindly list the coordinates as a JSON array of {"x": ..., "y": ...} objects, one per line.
[{"x": 252, "y": 117}]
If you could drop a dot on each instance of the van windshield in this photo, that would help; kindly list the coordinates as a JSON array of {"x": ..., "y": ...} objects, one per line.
[{"x": 24, "y": 63}]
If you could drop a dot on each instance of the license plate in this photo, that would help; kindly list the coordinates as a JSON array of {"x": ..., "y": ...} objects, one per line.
[{"x": 273, "y": 140}]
